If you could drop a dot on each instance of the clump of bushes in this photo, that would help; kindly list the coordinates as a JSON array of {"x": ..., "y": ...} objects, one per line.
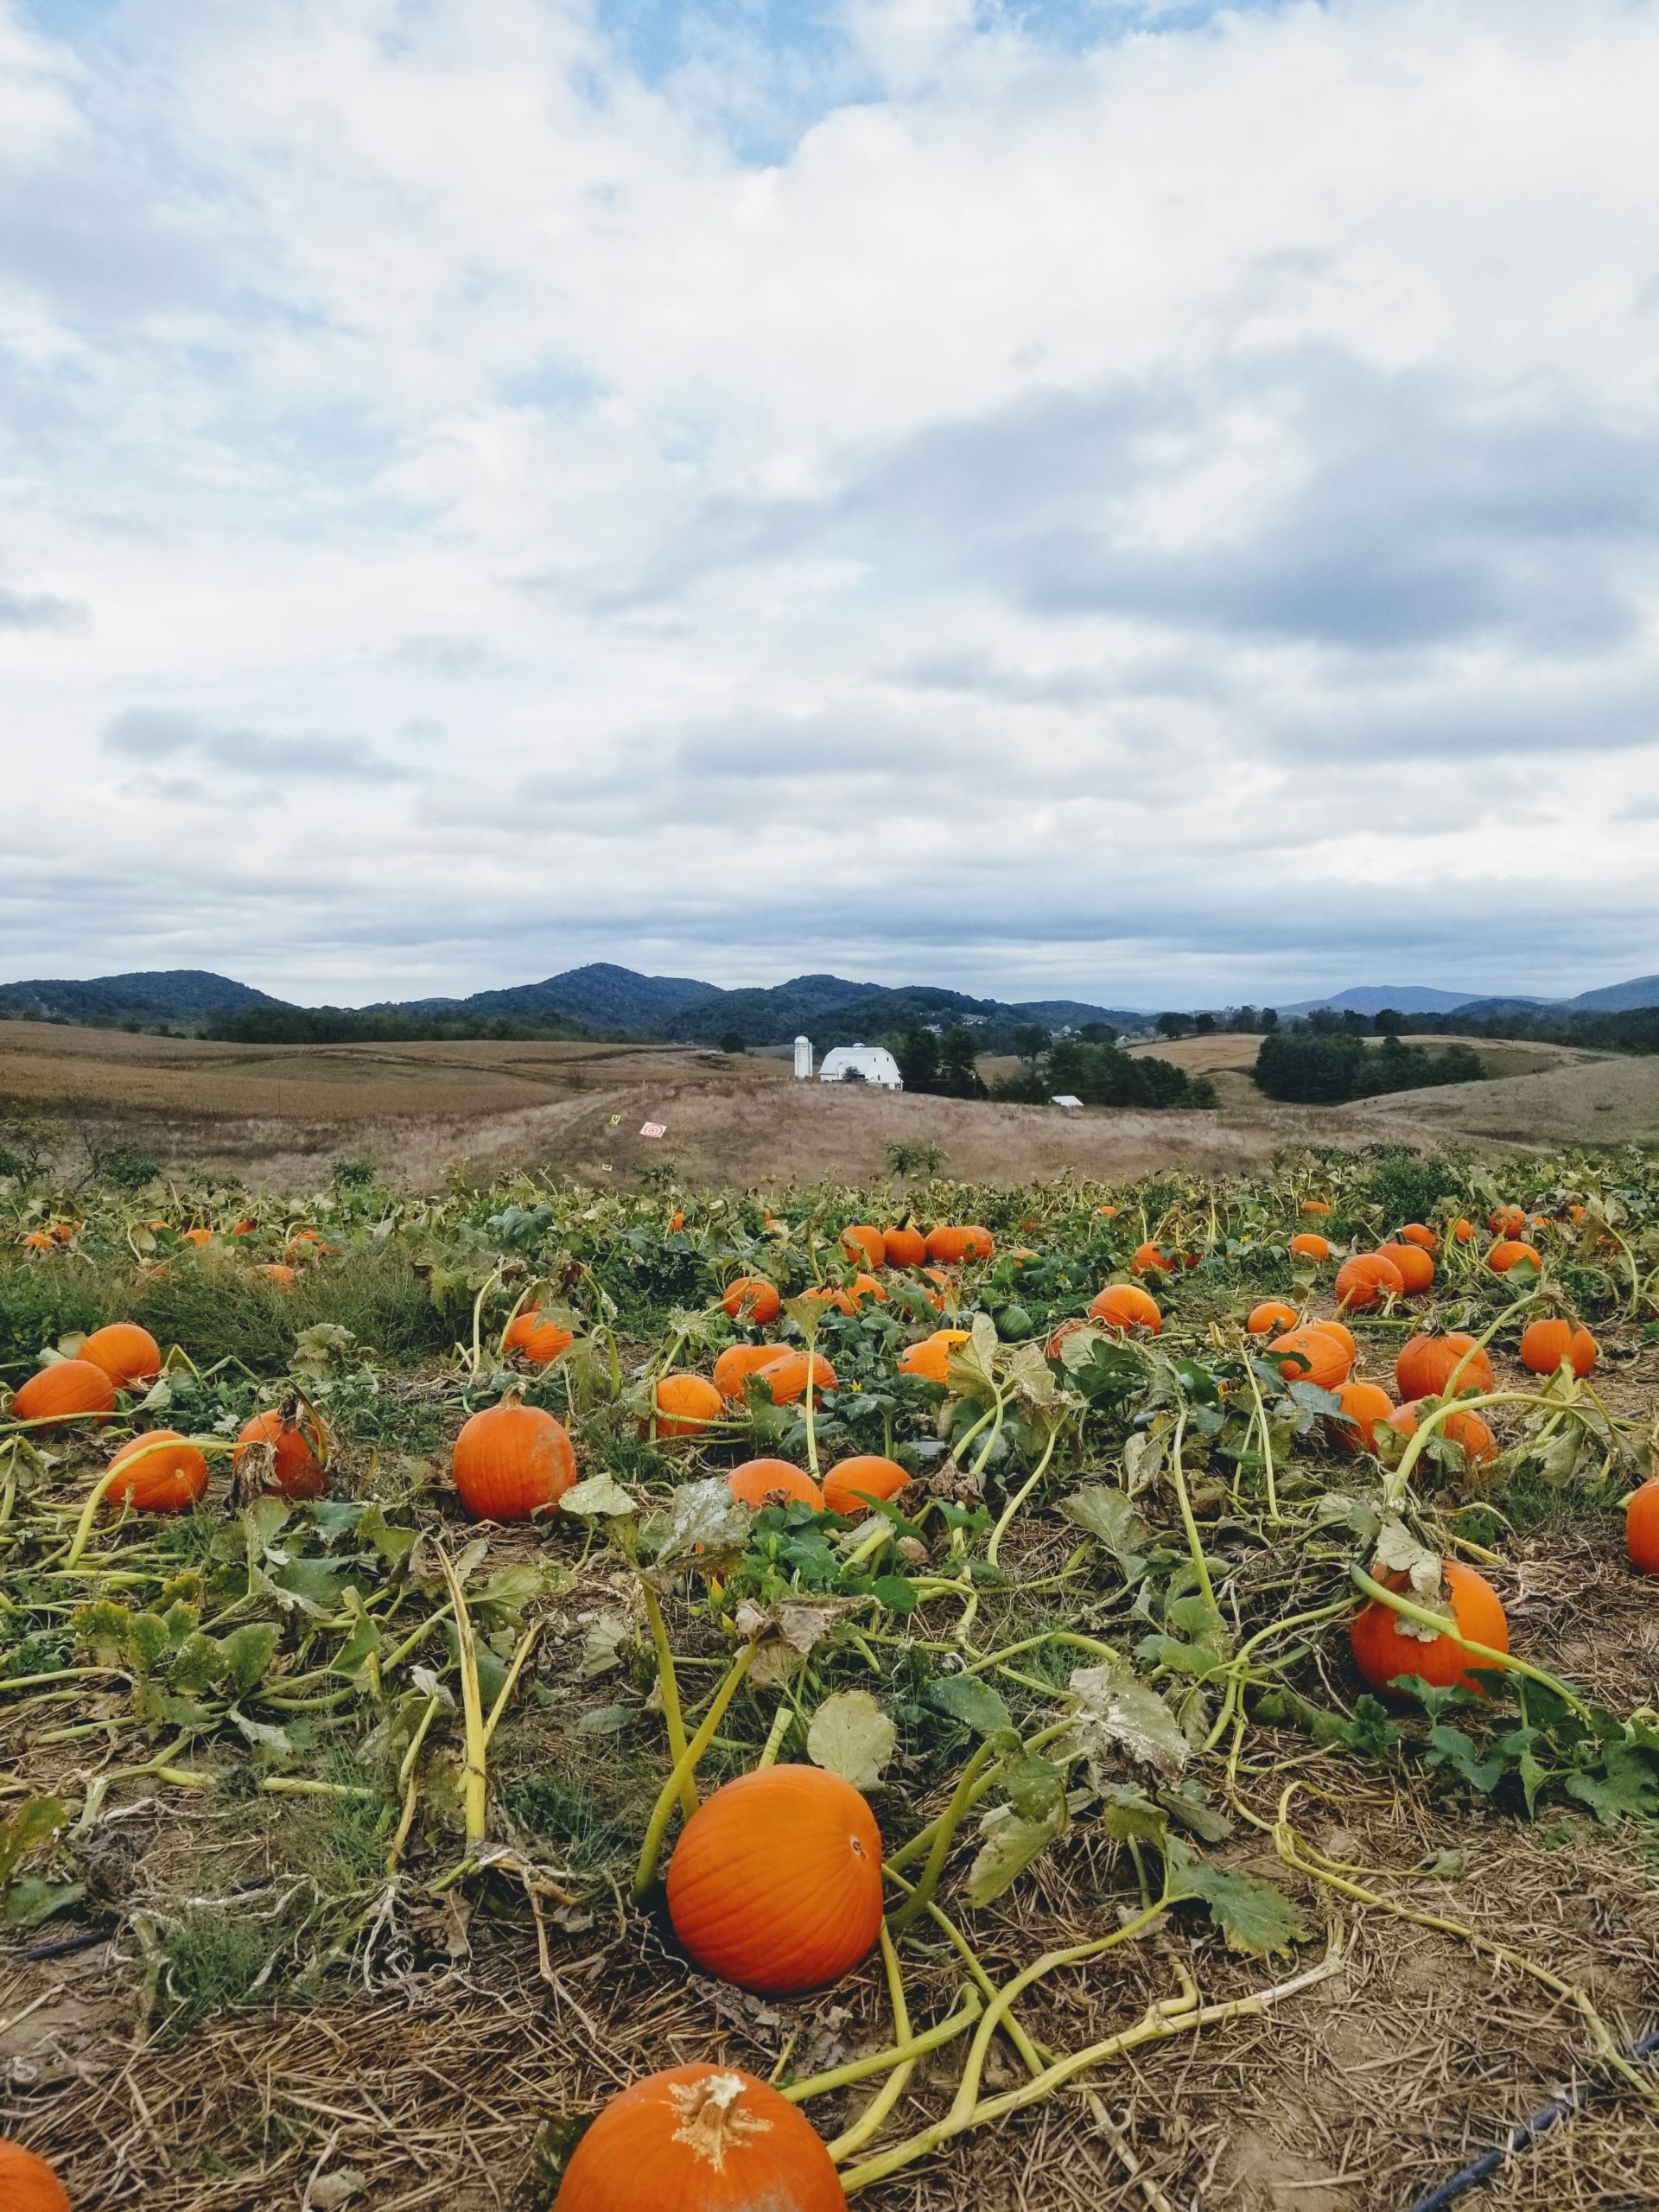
[{"x": 1308, "y": 1069}]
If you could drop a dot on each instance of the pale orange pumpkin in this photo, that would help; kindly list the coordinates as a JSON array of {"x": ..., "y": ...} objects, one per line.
[
  {"x": 126, "y": 1353},
  {"x": 697, "y": 2139},
  {"x": 1124, "y": 1305},
  {"x": 1307, "y": 1245},
  {"x": 67, "y": 1387},
  {"x": 849, "y": 1486},
  {"x": 685, "y": 1405}
]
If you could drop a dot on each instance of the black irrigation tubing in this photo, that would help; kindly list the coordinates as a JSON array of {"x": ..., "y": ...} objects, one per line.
[{"x": 1551, "y": 2115}]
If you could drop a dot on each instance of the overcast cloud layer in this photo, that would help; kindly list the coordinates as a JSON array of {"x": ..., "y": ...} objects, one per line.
[{"x": 1143, "y": 502}]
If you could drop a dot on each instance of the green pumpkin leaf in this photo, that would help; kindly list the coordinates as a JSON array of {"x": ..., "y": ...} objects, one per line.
[{"x": 974, "y": 1703}]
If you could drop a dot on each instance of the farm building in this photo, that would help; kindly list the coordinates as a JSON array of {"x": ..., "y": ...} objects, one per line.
[{"x": 861, "y": 1064}]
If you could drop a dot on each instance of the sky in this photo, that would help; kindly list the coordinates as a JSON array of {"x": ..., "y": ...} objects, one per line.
[{"x": 1152, "y": 503}]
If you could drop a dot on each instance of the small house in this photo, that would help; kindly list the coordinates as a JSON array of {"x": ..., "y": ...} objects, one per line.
[{"x": 871, "y": 1064}]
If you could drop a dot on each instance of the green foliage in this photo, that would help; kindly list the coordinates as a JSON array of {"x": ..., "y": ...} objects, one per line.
[{"x": 1305, "y": 1067}]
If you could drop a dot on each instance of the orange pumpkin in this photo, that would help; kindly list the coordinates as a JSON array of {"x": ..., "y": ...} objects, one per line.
[
  {"x": 1342, "y": 1333},
  {"x": 786, "y": 1377},
  {"x": 1124, "y": 1305},
  {"x": 738, "y": 1362},
  {"x": 1362, "y": 1406},
  {"x": 848, "y": 1487},
  {"x": 1152, "y": 1259},
  {"x": 698, "y": 2139},
  {"x": 1419, "y": 1232},
  {"x": 931, "y": 1359},
  {"x": 1310, "y": 1355},
  {"x": 1426, "y": 1365},
  {"x": 289, "y": 1453},
  {"x": 948, "y": 1248},
  {"x": 1479, "y": 1445},
  {"x": 124, "y": 1352},
  {"x": 865, "y": 1285},
  {"x": 831, "y": 1294},
  {"x": 40, "y": 1240},
  {"x": 866, "y": 1247},
  {"x": 1416, "y": 1267},
  {"x": 1507, "y": 1221},
  {"x": 1510, "y": 1254},
  {"x": 1642, "y": 1527},
  {"x": 1316, "y": 1207},
  {"x": 512, "y": 1461},
  {"x": 751, "y": 1298},
  {"x": 28, "y": 2184},
  {"x": 1366, "y": 1279},
  {"x": 685, "y": 1405},
  {"x": 776, "y": 1884},
  {"x": 1463, "y": 1229},
  {"x": 540, "y": 1342},
  {"x": 1383, "y": 1651},
  {"x": 68, "y": 1386},
  {"x": 1545, "y": 1345},
  {"x": 773, "y": 1482},
  {"x": 197, "y": 1236},
  {"x": 905, "y": 1247},
  {"x": 1272, "y": 1315},
  {"x": 279, "y": 1275},
  {"x": 1307, "y": 1245},
  {"x": 166, "y": 1474}
]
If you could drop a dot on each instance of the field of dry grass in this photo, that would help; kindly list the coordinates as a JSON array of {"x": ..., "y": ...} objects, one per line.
[{"x": 275, "y": 1115}]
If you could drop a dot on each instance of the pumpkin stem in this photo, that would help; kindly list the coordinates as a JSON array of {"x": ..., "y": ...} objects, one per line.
[{"x": 712, "y": 2118}]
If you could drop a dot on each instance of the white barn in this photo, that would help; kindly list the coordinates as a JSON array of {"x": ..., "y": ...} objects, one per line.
[{"x": 871, "y": 1064}]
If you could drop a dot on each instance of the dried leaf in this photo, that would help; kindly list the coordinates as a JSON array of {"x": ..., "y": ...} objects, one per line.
[
  {"x": 852, "y": 1737},
  {"x": 1119, "y": 1713},
  {"x": 600, "y": 1497}
]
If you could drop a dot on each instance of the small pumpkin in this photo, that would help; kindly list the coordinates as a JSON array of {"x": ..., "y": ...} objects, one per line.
[
  {"x": 1416, "y": 1266},
  {"x": 1383, "y": 1650},
  {"x": 1426, "y": 1365},
  {"x": 540, "y": 1342},
  {"x": 1545, "y": 1345},
  {"x": 773, "y": 1482},
  {"x": 166, "y": 1473},
  {"x": 737, "y": 1363},
  {"x": 1306, "y": 1246},
  {"x": 278, "y": 1275},
  {"x": 864, "y": 1246},
  {"x": 1316, "y": 1209},
  {"x": 685, "y": 1405},
  {"x": 776, "y": 1883},
  {"x": 1511, "y": 1252},
  {"x": 28, "y": 2184},
  {"x": 1479, "y": 1445},
  {"x": 196, "y": 1236},
  {"x": 905, "y": 1247},
  {"x": 125, "y": 1352},
  {"x": 697, "y": 2139},
  {"x": 1365, "y": 1280},
  {"x": 786, "y": 1377},
  {"x": 67, "y": 1386},
  {"x": 1507, "y": 1221},
  {"x": 289, "y": 1452},
  {"x": 1463, "y": 1230},
  {"x": 1124, "y": 1305},
  {"x": 751, "y": 1298},
  {"x": 1364, "y": 1404},
  {"x": 948, "y": 1246},
  {"x": 1642, "y": 1527},
  {"x": 1271, "y": 1317},
  {"x": 512, "y": 1461},
  {"x": 1153, "y": 1259},
  {"x": 848, "y": 1487},
  {"x": 1310, "y": 1355},
  {"x": 1419, "y": 1233},
  {"x": 931, "y": 1359}
]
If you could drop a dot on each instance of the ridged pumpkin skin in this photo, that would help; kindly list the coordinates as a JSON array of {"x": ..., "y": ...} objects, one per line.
[
  {"x": 68, "y": 1386},
  {"x": 1426, "y": 1365},
  {"x": 1364, "y": 1404},
  {"x": 1416, "y": 1266},
  {"x": 296, "y": 1469},
  {"x": 124, "y": 1352},
  {"x": 1479, "y": 1445},
  {"x": 1271, "y": 1317},
  {"x": 766, "y": 1482},
  {"x": 1381, "y": 1652},
  {"x": 1510, "y": 1253},
  {"x": 751, "y": 1298},
  {"x": 166, "y": 1474},
  {"x": 786, "y": 1377},
  {"x": 1642, "y": 1527},
  {"x": 1366, "y": 1279},
  {"x": 738, "y": 1362},
  {"x": 905, "y": 1247},
  {"x": 1507, "y": 1221},
  {"x": 685, "y": 1405},
  {"x": 540, "y": 1342},
  {"x": 1545, "y": 1345},
  {"x": 948, "y": 1246},
  {"x": 512, "y": 1461},
  {"x": 1308, "y": 1246},
  {"x": 931, "y": 1359},
  {"x": 865, "y": 1245},
  {"x": 1310, "y": 1356},
  {"x": 28, "y": 2184},
  {"x": 1124, "y": 1305},
  {"x": 776, "y": 1884},
  {"x": 847, "y": 1486},
  {"x": 700, "y": 2139}
]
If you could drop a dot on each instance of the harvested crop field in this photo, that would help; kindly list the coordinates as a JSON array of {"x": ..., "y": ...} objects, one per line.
[{"x": 336, "y": 1816}]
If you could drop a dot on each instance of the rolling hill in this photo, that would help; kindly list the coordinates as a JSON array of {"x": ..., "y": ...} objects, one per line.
[{"x": 181, "y": 998}]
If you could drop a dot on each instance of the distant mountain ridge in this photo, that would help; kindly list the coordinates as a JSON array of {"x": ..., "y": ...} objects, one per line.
[{"x": 186, "y": 997}]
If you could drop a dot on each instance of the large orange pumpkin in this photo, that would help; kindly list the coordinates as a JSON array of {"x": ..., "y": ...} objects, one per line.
[
  {"x": 1545, "y": 1345},
  {"x": 786, "y": 1377},
  {"x": 848, "y": 1487},
  {"x": 1307, "y": 1245},
  {"x": 1479, "y": 1445},
  {"x": 1510, "y": 1254},
  {"x": 166, "y": 1474},
  {"x": 1310, "y": 1356},
  {"x": 28, "y": 2184},
  {"x": 1124, "y": 1305},
  {"x": 776, "y": 1884},
  {"x": 512, "y": 1461},
  {"x": 1365, "y": 1280},
  {"x": 1271, "y": 1317},
  {"x": 738, "y": 1362},
  {"x": 1426, "y": 1364},
  {"x": 751, "y": 1298},
  {"x": 124, "y": 1352},
  {"x": 1642, "y": 1527},
  {"x": 698, "y": 2139},
  {"x": 685, "y": 1405},
  {"x": 1364, "y": 1404},
  {"x": 68, "y": 1386},
  {"x": 1416, "y": 1266},
  {"x": 931, "y": 1359},
  {"x": 905, "y": 1247},
  {"x": 1381, "y": 1651},
  {"x": 867, "y": 1247},
  {"x": 947, "y": 1246},
  {"x": 297, "y": 1453},
  {"x": 773, "y": 1482},
  {"x": 540, "y": 1342}
]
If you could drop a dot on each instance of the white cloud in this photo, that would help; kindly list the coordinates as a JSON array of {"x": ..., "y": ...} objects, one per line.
[{"x": 1160, "y": 519}]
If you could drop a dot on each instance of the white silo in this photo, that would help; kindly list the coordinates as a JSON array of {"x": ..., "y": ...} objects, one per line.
[{"x": 802, "y": 1060}]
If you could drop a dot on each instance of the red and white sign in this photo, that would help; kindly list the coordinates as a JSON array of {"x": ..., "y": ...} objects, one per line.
[{"x": 654, "y": 1129}]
